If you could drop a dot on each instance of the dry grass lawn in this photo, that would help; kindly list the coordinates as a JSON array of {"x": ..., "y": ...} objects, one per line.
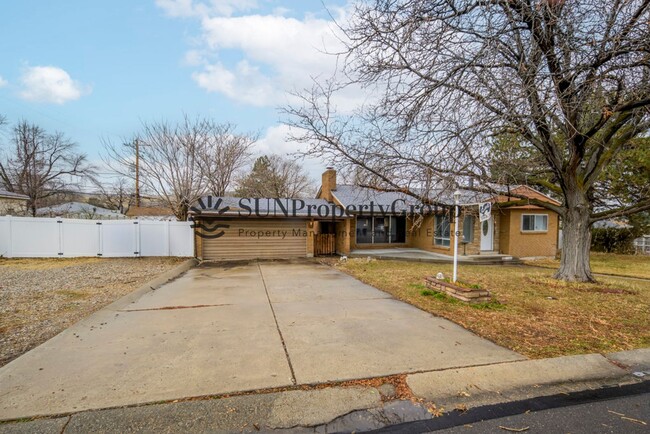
[
  {"x": 533, "y": 314},
  {"x": 41, "y": 297},
  {"x": 609, "y": 263}
]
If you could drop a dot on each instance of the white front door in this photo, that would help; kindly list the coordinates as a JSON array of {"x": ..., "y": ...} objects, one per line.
[{"x": 487, "y": 234}]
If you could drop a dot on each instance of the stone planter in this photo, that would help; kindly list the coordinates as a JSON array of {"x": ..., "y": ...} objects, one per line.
[{"x": 468, "y": 295}]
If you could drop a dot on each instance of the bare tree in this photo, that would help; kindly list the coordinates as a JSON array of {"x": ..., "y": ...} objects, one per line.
[
  {"x": 225, "y": 156},
  {"x": 181, "y": 162},
  {"x": 275, "y": 176},
  {"x": 571, "y": 79},
  {"x": 41, "y": 165},
  {"x": 118, "y": 195}
]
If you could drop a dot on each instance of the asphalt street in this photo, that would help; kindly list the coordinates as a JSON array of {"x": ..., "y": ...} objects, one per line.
[{"x": 619, "y": 413}]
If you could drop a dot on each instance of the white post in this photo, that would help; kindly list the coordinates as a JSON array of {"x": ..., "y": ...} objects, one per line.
[
  {"x": 456, "y": 217},
  {"x": 10, "y": 238},
  {"x": 455, "y": 243}
]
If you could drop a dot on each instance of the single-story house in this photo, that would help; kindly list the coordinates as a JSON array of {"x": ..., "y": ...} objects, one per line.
[
  {"x": 13, "y": 203},
  {"x": 346, "y": 218},
  {"x": 79, "y": 210},
  {"x": 521, "y": 231}
]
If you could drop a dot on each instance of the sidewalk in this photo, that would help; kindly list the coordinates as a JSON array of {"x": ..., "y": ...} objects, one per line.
[{"x": 361, "y": 405}]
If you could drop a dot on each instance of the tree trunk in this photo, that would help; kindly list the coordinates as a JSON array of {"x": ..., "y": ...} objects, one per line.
[{"x": 576, "y": 242}]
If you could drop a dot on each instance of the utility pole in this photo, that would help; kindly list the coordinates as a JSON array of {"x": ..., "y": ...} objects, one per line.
[{"x": 137, "y": 173}]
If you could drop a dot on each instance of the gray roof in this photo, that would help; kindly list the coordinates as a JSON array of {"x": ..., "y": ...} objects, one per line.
[
  {"x": 352, "y": 195},
  {"x": 228, "y": 206},
  {"x": 77, "y": 208},
  {"x": 12, "y": 195}
]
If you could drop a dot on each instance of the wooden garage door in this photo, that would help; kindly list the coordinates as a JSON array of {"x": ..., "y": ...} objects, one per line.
[{"x": 257, "y": 238}]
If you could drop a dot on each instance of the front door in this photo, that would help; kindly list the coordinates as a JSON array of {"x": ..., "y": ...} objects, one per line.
[{"x": 487, "y": 234}]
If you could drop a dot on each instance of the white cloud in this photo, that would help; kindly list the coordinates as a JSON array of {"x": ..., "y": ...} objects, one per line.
[
  {"x": 50, "y": 84},
  {"x": 258, "y": 59},
  {"x": 281, "y": 54},
  {"x": 3, "y": 82},
  {"x": 190, "y": 8},
  {"x": 275, "y": 141}
]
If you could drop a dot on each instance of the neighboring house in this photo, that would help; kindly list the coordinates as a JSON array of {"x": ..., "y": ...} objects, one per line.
[
  {"x": 150, "y": 213},
  {"x": 12, "y": 203},
  {"x": 79, "y": 210},
  {"x": 611, "y": 224},
  {"x": 346, "y": 218},
  {"x": 642, "y": 245}
]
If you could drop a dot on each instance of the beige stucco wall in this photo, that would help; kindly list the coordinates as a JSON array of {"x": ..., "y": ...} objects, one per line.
[{"x": 15, "y": 207}]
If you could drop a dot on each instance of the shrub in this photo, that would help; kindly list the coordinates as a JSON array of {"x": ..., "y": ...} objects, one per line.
[{"x": 613, "y": 240}]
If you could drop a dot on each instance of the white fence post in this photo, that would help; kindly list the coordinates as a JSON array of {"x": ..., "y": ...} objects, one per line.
[
  {"x": 59, "y": 225},
  {"x": 9, "y": 238},
  {"x": 138, "y": 241},
  {"x": 168, "y": 238},
  {"x": 100, "y": 238}
]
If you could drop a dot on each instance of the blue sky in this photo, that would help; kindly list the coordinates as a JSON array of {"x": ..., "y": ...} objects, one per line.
[{"x": 94, "y": 69}]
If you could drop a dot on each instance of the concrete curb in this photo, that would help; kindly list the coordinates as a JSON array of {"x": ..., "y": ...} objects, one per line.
[
  {"x": 498, "y": 383},
  {"x": 345, "y": 409},
  {"x": 152, "y": 285}
]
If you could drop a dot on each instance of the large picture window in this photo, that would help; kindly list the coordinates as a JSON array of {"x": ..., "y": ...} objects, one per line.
[
  {"x": 442, "y": 231},
  {"x": 381, "y": 230},
  {"x": 534, "y": 222}
]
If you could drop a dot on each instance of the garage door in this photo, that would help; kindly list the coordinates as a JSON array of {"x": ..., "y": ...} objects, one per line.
[{"x": 257, "y": 238}]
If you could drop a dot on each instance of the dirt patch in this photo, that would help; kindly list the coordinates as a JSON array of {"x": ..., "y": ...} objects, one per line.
[{"x": 41, "y": 297}]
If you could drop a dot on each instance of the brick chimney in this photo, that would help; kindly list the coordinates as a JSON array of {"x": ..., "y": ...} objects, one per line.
[{"x": 328, "y": 184}]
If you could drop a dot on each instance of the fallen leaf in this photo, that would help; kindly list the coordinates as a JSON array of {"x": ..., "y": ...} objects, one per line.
[
  {"x": 526, "y": 428},
  {"x": 631, "y": 419}
]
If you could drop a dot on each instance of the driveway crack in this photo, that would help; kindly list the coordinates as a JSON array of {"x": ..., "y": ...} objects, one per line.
[
  {"x": 196, "y": 306},
  {"x": 277, "y": 326}
]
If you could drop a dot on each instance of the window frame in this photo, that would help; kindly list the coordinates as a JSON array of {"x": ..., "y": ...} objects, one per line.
[
  {"x": 388, "y": 229},
  {"x": 445, "y": 241},
  {"x": 544, "y": 216},
  {"x": 471, "y": 227}
]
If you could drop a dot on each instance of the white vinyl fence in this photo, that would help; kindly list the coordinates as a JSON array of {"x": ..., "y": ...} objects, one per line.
[{"x": 24, "y": 237}]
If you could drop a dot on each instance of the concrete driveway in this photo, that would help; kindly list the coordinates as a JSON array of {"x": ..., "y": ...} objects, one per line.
[{"x": 241, "y": 327}]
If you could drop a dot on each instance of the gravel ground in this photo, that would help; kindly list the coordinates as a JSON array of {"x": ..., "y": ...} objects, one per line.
[{"x": 41, "y": 297}]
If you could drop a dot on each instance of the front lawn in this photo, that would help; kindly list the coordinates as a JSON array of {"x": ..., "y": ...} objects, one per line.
[
  {"x": 608, "y": 263},
  {"x": 533, "y": 314}
]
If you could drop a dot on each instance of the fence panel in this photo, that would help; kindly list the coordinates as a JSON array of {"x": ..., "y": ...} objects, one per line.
[
  {"x": 181, "y": 239},
  {"x": 153, "y": 238},
  {"x": 54, "y": 237},
  {"x": 80, "y": 238},
  {"x": 35, "y": 237},
  {"x": 118, "y": 238}
]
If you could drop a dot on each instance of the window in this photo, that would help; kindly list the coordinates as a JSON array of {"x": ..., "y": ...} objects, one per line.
[
  {"x": 364, "y": 230},
  {"x": 442, "y": 231},
  {"x": 468, "y": 229},
  {"x": 398, "y": 229},
  {"x": 534, "y": 222},
  {"x": 381, "y": 230}
]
